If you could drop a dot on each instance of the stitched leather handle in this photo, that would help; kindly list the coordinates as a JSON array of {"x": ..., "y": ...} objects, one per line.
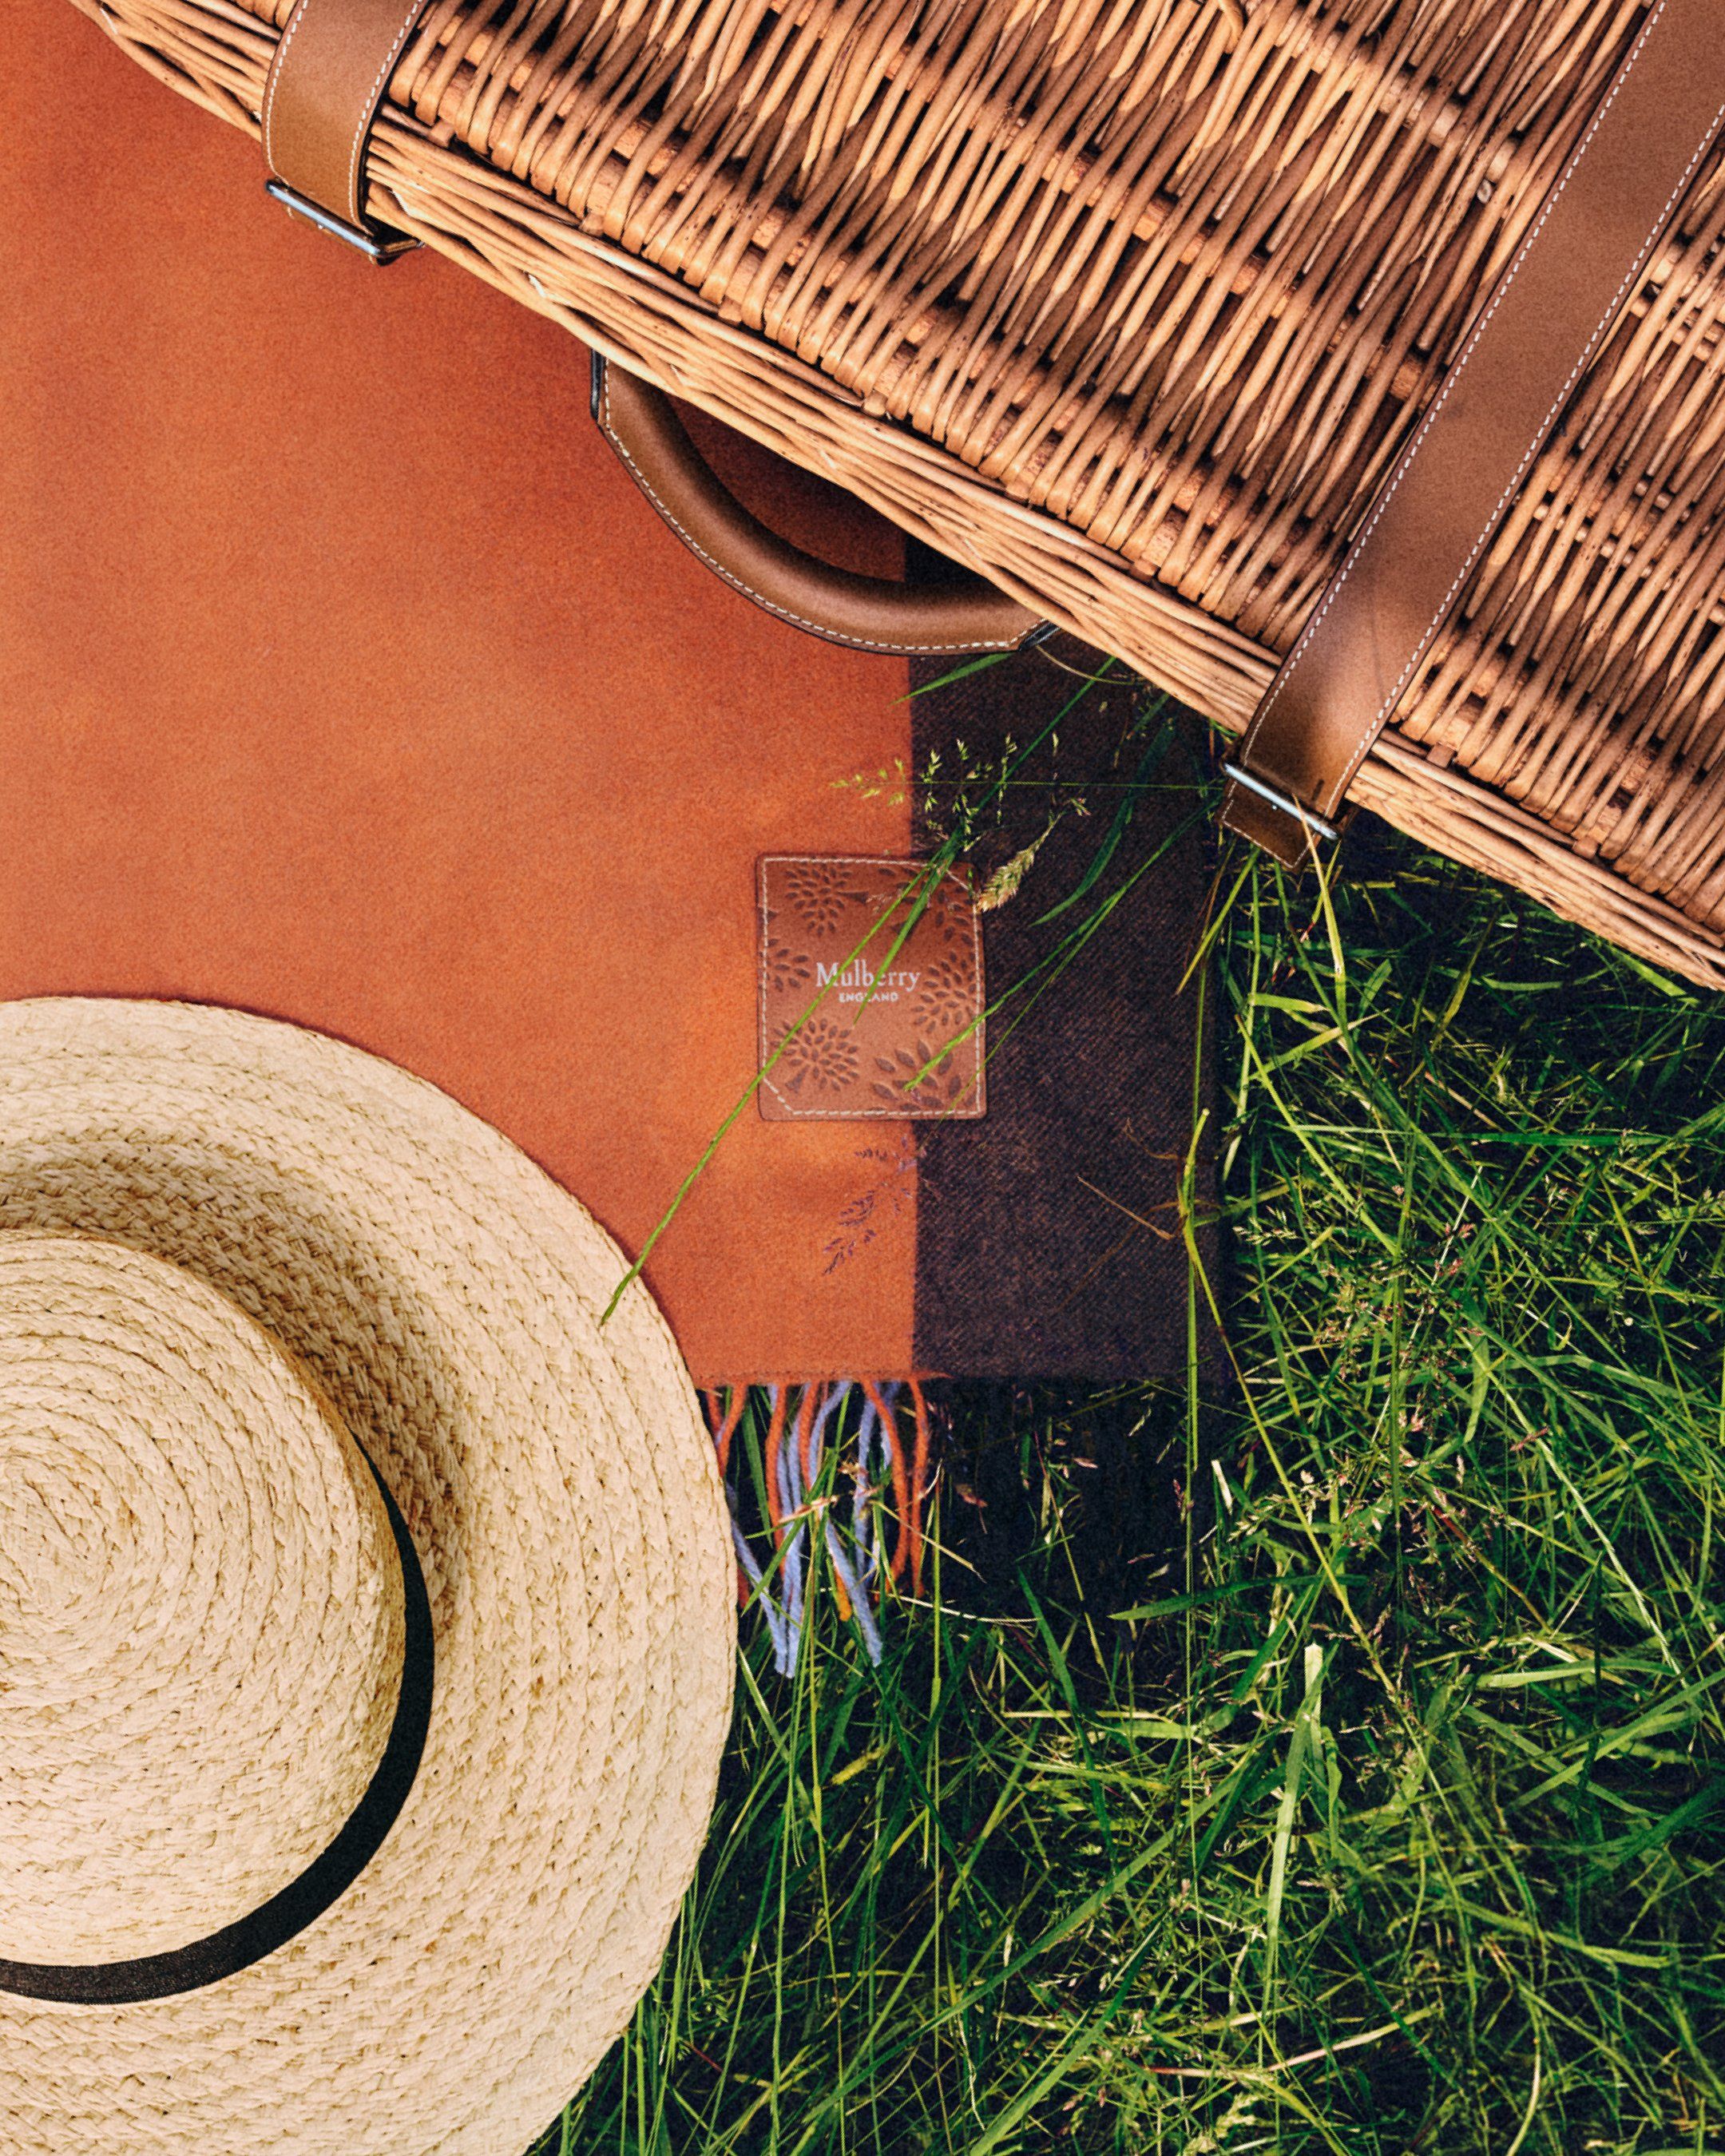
[
  {"x": 329, "y": 75},
  {"x": 1568, "y": 283},
  {"x": 867, "y": 612}
]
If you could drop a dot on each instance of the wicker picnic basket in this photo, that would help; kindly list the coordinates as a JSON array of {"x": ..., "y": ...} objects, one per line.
[{"x": 1137, "y": 308}]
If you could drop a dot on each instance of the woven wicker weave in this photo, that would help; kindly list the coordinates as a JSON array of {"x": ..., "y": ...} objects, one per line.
[{"x": 1130, "y": 304}]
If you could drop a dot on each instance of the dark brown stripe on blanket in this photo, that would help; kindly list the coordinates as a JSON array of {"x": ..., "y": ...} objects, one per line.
[{"x": 1048, "y": 1240}]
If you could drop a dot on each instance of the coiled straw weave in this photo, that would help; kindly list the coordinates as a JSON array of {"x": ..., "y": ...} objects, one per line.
[
  {"x": 1130, "y": 304},
  {"x": 227, "y": 1247},
  {"x": 203, "y": 1630}
]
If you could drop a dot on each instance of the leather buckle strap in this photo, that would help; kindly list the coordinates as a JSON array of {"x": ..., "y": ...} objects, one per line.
[
  {"x": 1580, "y": 264},
  {"x": 329, "y": 77}
]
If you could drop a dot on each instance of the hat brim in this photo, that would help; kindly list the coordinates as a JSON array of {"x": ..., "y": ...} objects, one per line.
[{"x": 561, "y": 1491}]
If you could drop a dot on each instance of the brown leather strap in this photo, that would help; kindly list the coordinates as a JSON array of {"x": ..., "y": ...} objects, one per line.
[
  {"x": 867, "y": 612},
  {"x": 328, "y": 78},
  {"x": 1554, "y": 306}
]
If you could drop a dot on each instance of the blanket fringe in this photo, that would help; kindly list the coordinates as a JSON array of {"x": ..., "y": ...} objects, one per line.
[{"x": 803, "y": 1425}]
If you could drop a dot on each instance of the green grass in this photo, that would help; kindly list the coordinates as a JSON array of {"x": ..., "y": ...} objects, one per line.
[{"x": 1337, "y": 1766}]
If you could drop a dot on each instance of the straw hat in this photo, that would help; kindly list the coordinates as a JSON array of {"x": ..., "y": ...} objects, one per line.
[{"x": 365, "y": 1606}]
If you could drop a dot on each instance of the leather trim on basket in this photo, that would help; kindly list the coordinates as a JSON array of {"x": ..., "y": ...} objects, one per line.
[
  {"x": 864, "y": 613},
  {"x": 1449, "y": 492},
  {"x": 328, "y": 78}
]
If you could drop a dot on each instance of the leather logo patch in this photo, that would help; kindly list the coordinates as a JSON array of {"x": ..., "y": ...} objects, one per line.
[{"x": 871, "y": 999}]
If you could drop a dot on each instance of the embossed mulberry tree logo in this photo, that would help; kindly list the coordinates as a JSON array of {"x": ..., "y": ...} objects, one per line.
[
  {"x": 870, "y": 988},
  {"x": 820, "y": 894},
  {"x": 788, "y": 968},
  {"x": 946, "y": 996},
  {"x": 953, "y": 911},
  {"x": 920, "y": 1079},
  {"x": 821, "y": 1054}
]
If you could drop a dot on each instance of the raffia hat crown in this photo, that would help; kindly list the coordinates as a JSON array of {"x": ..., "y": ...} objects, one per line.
[
  {"x": 365, "y": 1611},
  {"x": 204, "y": 1615}
]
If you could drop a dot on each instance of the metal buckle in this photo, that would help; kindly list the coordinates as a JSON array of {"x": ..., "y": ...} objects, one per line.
[
  {"x": 381, "y": 245},
  {"x": 1277, "y": 799}
]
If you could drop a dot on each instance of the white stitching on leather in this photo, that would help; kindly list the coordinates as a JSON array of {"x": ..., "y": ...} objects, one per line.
[
  {"x": 737, "y": 583},
  {"x": 1405, "y": 462},
  {"x": 367, "y": 113},
  {"x": 1534, "y": 448},
  {"x": 268, "y": 116},
  {"x": 1328, "y": 805},
  {"x": 374, "y": 97}
]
